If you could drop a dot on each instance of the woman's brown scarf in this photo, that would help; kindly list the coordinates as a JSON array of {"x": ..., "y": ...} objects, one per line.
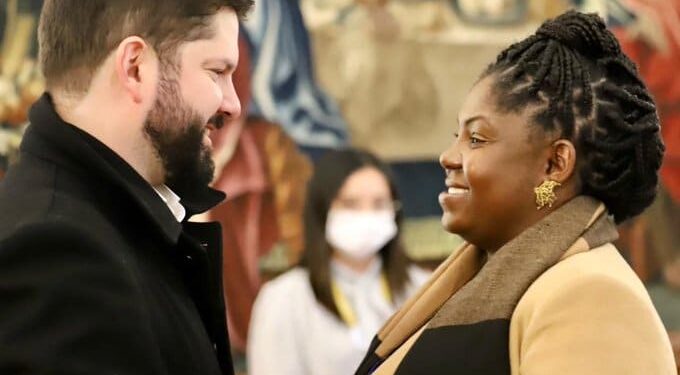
[{"x": 459, "y": 321}]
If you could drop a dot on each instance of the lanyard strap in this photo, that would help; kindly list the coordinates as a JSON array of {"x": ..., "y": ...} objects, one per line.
[{"x": 345, "y": 308}]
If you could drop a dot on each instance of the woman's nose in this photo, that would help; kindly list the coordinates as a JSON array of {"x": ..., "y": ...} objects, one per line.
[{"x": 451, "y": 157}]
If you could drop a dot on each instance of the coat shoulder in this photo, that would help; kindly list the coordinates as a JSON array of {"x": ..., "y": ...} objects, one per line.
[
  {"x": 589, "y": 313},
  {"x": 37, "y": 195},
  {"x": 603, "y": 265}
]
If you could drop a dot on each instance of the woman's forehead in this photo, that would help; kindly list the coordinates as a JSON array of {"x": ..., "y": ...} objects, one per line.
[
  {"x": 482, "y": 110},
  {"x": 365, "y": 181}
]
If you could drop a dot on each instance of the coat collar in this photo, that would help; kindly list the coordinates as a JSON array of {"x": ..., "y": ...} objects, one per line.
[{"x": 51, "y": 137}]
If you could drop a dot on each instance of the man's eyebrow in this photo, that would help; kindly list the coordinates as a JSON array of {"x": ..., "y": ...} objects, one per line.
[{"x": 228, "y": 63}]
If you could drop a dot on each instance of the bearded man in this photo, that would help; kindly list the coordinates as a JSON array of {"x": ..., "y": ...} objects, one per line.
[{"x": 100, "y": 271}]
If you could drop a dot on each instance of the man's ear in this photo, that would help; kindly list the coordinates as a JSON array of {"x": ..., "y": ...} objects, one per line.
[
  {"x": 134, "y": 63},
  {"x": 562, "y": 161}
]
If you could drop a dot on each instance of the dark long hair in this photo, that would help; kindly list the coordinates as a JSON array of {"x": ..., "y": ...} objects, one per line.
[
  {"x": 584, "y": 87},
  {"x": 330, "y": 173}
]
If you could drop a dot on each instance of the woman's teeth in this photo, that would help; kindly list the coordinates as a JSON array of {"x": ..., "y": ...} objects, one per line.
[{"x": 454, "y": 190}]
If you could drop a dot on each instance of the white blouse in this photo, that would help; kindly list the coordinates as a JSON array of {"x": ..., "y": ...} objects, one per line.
[{"x": 293, "y": 334}]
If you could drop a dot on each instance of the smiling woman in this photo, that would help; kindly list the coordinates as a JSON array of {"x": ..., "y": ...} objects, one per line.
[
  {"x": 557, "y": 137},
  {"x": 490, "y": 206}
]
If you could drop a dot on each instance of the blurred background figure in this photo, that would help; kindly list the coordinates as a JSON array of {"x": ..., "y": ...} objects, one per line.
[
  {"x": 319, "y": 318},
  {"x": 264, "y": 174},
  {"x": 258, "y": 157}
]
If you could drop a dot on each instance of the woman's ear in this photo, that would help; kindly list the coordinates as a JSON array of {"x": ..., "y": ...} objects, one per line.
[{"x": 562, "y": 161}]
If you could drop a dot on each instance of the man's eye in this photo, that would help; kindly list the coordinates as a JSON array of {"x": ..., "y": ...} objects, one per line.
[{"x": 215, "y": 73}]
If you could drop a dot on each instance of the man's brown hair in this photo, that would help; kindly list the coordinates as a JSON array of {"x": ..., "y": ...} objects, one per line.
[{"x": 76, "y": 36}]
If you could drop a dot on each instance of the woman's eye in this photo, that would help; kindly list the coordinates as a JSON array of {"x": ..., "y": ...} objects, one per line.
[
  {"x": 348, "y": 203},
  {"x": 474, "y": 139},
  {"x": 383, "y": 205}
]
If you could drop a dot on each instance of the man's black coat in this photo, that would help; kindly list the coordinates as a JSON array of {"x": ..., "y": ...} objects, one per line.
[{"x": 96, "y": 274}]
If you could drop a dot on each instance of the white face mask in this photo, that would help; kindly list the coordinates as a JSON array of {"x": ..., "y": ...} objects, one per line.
[{"x": 359, "y": 234}]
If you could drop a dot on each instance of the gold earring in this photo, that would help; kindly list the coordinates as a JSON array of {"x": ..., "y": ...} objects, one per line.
[{"x": 545, "y": 193}]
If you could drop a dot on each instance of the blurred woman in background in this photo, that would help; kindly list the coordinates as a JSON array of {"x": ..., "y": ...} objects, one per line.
[{"x": 319, "y": 318}]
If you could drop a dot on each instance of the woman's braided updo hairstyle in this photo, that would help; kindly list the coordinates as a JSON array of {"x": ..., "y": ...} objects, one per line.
[{"x": 583, "y": 86}]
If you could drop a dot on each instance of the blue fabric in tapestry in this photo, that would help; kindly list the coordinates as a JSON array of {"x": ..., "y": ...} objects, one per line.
[{"x": 283, "y": 85}]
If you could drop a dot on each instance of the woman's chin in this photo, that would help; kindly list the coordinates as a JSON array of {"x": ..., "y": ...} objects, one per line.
[{"x": 450, "y": 223}]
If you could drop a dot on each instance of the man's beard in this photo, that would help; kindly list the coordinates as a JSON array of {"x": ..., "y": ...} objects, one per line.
[{"x": 176, "y": 133}]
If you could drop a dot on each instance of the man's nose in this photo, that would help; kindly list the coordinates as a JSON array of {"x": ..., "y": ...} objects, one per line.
[{"x": 230, "y": 105}]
